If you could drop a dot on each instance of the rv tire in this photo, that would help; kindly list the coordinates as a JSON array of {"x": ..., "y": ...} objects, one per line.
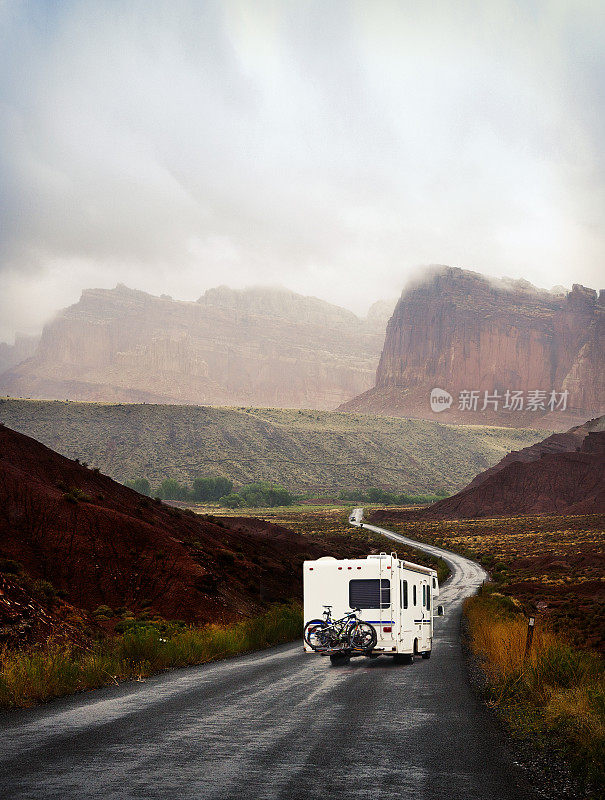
[
  {"x": 426, "y": 654},
  {"x": 338, "y": 659},
  {"x": 403, "y": 658}
]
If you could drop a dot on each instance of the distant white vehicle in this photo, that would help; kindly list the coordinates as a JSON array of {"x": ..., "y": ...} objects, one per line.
[{"x": 395, "y": 596}]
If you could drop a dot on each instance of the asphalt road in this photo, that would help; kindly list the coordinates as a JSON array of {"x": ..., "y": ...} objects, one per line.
[{"x": 275, "y": 724}]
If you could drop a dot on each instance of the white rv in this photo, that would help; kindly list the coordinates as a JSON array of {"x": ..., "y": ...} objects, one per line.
[{"x": 395, "y": 596}]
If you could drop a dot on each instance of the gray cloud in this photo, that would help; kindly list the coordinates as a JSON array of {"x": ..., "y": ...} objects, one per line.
[{"x": 330, "y": 147}]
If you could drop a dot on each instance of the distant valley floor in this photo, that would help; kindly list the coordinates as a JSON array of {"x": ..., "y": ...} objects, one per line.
[{"x": 303, "y": 450}]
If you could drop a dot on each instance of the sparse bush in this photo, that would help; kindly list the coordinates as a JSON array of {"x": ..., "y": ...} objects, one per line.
[
  {"x": 44, "y": 590},
  {"x": 75, "y": 495},
  {"x": 103, "y": 612}
]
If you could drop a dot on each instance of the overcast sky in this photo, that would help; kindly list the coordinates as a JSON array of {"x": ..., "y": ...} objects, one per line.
[{"x": 331, "y": 147}]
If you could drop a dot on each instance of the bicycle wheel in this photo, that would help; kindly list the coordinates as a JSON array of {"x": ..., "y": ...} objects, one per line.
[
  {"x": 364, "y": 636},
  {"x": 315, "y": 634}
]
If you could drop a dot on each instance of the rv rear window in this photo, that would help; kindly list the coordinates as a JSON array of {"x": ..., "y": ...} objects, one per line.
[{"x": 368, "y": 594}]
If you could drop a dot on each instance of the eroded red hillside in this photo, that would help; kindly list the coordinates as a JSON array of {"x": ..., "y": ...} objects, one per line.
[
  {"x": 102, "y": 543},
  {"x": 558, "y": 483}
]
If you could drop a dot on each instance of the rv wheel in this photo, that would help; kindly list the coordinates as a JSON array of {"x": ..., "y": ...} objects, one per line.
[
  {"x": 426, "y": 654},
  {"x": 403, "y": 658},
  {"x": 338, "y": 659}
]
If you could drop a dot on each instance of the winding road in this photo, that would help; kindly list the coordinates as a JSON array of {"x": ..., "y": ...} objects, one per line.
[{"x": 274, "y": 724}]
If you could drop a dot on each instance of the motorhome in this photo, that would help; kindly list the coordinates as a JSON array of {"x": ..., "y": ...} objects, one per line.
[{"x": 397, "y": 597}]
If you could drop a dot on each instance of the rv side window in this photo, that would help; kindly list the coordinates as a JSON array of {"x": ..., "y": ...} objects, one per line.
[
  {"x": 414, "y": 593},
  {"x": 404, "y": 594},
  {"x": 423, "y": 595},
  {"x": 428, "y": 597},
  {"x": 371, "y": 593}
]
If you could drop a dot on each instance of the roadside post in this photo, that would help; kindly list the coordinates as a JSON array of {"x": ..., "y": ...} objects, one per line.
[{"x": 531, "y": 623}]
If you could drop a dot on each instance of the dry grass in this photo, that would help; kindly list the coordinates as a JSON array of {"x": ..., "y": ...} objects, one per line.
[
  {"x": 29, "y": 677},
  {"x": 554, "y": 565},
  {"x": 557, "y": 694}
]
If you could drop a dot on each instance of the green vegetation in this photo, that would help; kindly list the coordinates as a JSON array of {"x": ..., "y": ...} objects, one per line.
[
  {"x": 140, "y": 485},
  {"x": 375, "y": 495},
  {"x": 219, "y": 489},
  {"x": 258, "y": 495},
  {"x": 145, "y": 647},
  {"x": 204, "y": 489},
  {"x": 210, "y": 488},
  {"x": 318, "y": 451},
  {"x": 555, "y": 695}
]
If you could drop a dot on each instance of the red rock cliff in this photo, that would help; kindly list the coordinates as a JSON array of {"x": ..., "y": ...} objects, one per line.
[
  {"x": 460, "y": 331},
  {"x": 267, "y": 347}
]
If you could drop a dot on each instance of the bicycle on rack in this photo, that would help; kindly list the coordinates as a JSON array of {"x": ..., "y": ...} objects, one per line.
[{"x": 340, "y": 637}]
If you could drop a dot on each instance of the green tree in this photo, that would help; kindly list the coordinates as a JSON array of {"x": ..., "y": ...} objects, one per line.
[
  {"x": 170, "y": 489},
  {"x": 258, "y": 495},
  {"x": 140, "y": 485},
  {"x": 205, "y": 489},
  {"x": 232, "y": 500},
  {"x": 211, "y": 487},
  {"x": 222, "y": 486}
]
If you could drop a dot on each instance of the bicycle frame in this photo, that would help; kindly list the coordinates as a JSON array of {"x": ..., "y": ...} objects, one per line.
[{"x": 343, "y": 629}]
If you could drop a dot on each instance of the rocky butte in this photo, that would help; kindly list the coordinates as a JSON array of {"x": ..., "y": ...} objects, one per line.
[
  {"x": 258, "y": 346},
  {"x": 460, "y": 331}
]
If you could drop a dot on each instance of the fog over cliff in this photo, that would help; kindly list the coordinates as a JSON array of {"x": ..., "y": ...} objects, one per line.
[{"x": 328, "y": 147}]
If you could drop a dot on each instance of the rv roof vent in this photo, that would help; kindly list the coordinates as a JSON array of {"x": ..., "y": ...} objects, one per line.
[
  {"x": 382, "y": 555},
  {"x": 327, "y": 558}
]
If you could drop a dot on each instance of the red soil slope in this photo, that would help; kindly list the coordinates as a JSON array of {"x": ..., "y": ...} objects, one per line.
[
  {"x": 101, "y": 543},
  {"x": 567, "y": 442},
  {"x": 566, "y": 483}
]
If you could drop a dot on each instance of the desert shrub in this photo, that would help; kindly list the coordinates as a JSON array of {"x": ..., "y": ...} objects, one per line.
[
  {"x": 75, "y": 495},
  {"x": 44, "y": 590},
  {"x": 103, "y": 612}
]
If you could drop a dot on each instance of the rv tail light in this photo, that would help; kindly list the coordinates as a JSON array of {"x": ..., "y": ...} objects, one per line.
[
  {"x": 311, "y": 568},
  {"x": 387, "y": 628},
  {"x": 339, "y": 567},
  {"x": 358, "y": 567},
  {"x": 349, "y": 567},
  {"x": 388, "y": 568}
]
